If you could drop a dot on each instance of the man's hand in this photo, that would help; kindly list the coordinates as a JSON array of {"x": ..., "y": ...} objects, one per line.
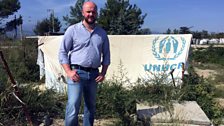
[
  {"x": 100, "y": 78},
  {"x": 72, "y": 74},
  {"x": 102, "y": 74}
]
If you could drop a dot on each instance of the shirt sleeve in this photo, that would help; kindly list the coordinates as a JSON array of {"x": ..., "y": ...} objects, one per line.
[
  {"x": 66, "y": 46},
  {"x": 106, "y": 51}
]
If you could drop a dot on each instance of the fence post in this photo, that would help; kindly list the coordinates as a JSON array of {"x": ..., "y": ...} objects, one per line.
[{"x": 183, "y": 69}]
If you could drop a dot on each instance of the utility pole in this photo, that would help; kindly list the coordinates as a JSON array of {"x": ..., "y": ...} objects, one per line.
[
  {"x": 20, "y": 22},
  {"x": 52, "y": 18},
  {"x": 15, "y": 27},
  {"x": 21, "y": 32}
]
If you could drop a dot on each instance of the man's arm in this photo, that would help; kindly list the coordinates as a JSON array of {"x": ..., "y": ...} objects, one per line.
[
  {"x": 104, "y": 70},
  {"x": 65, "y": 47},
  {"x": 106, "y": 59}
]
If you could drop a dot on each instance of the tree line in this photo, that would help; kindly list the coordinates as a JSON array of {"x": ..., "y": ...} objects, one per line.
[
  {"x": 196, "y": 34},
  {"x": 7, "y": 8},
  {"x": 117, "y": 17}
]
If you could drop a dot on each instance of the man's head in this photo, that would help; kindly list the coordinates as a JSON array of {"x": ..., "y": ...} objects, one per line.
[{"x": 89, "y": 11}]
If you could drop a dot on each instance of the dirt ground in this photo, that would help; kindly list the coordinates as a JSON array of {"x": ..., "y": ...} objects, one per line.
[
  {"x": 220, "y": 101},
  {"x": 97, "y": 122},
  {"x": 205, "y": 46},
  {"x": 205, "y": 73}
]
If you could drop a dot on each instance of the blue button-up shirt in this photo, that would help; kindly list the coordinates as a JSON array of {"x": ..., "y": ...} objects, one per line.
[{"x": 79, "y": 46}]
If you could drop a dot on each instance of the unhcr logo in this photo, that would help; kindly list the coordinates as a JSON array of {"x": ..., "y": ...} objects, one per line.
[{"x": 168, "y": 48}]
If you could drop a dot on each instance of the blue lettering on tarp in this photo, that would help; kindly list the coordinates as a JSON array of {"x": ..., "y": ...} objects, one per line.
[
  {"x": 163, "y": 67},
  {"x": 156, "y": 67},
  {"x": 173, "y": 66}
]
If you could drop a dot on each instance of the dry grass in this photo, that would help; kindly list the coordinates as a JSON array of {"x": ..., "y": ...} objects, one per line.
[
  {"x": 220, "y": 101},
  {"x": 206, "y": 73}
]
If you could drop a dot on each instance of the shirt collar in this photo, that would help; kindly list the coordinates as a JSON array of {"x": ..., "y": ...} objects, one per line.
[{"x": 86, "y": 28}]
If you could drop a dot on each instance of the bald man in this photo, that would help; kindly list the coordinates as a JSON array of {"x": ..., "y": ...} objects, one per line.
[{"x": 84, "y": 48}]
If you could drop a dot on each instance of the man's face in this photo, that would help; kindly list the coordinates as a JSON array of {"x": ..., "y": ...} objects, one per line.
[{"x": 90, "y": 13}]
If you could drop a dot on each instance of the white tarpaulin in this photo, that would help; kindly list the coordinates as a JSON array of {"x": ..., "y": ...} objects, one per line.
[
  {"x": 138, "y": 54},
  {"x": 54, "y": 73}
]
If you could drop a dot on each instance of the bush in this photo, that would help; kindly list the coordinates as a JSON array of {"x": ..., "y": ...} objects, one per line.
[
  {"x": 209, "y": 55},
  {"x": 113, "y": 100},
  {"x": 40, "y": 104},
  {"x": 202, "y": 91},
  {"x": 21, "y": 58}
]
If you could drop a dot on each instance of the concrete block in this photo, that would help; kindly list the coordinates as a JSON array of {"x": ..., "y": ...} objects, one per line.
[{"x": 185, "y": 113}]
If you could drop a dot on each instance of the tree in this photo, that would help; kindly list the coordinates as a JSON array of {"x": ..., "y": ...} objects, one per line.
[
  {"x": 185, "y": 30},
  {"x": 75, "y": 13},
  {"x": 42, "y": 27},
  {"x": 197, "y": 35},
  {"x": 175, "y": 31},
  {"x": 220, "y": 35},
  {"x": 54, "y": 21},
  {"x": 204, "y": 34},
  {"x": 12, "y": 25},
  {"x": 7, "y": 8},
  {"x": 46, "y": 26},
  {"x": 144, "y": 31},
  {"x": 119, "y": 17},
  {"x": 168, "y": 31}
]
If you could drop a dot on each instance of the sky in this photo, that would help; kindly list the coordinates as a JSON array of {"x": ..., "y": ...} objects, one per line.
[{"x": 161, "y": 14}]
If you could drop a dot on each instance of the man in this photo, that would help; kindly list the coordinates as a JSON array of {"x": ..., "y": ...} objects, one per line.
[{"x": 82, "y": 47}]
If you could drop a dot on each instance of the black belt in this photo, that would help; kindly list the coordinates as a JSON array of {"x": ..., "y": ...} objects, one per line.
[{"x": 88, "y": 69}]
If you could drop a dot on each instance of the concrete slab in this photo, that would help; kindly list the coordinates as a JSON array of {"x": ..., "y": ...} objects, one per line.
[
  {"x": 185, "y": 113},
  {"x": 172, "y": 124}
]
